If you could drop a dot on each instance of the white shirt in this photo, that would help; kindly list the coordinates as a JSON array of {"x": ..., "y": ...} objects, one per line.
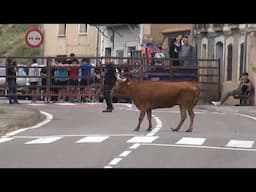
[{"x": 34, "y": 72}]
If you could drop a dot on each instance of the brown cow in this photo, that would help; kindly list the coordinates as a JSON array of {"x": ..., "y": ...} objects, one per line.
[{"x": 148, "y": 95}]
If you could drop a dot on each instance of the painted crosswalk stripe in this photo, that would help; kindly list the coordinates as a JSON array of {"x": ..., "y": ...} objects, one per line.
[
  {"x": 146, "y": 139},
  {"x": 43, "y": 140},
  {"x": 2, "y": 140},
  {"x": 65, "y": 103},
  {"x": 240, "y": 143},
  {"x": 125, "y": 153},
  {"x": 191, "y": 141},
  {"x": 36, "y": 104},
  {"x": 92, "y": 139},
  {"x": 115, "y": 161}
]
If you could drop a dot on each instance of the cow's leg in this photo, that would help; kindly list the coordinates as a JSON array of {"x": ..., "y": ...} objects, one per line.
[
  {"x": 142, "y": 114},
  {"x": 149, "y": 114},
  {"x": 191, "y": 115},
  {"x": 183, "y": 116}
]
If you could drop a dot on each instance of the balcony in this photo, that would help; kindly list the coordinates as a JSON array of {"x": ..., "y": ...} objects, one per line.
[
  {"x": 234, "y": 26},
  {"x": 202, "y": 28},
  {"x": 218, "y": 27}
]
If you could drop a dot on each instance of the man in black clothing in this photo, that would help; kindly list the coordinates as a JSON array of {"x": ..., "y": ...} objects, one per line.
[
  {"x": 109, "y": 82},
  {"x": 11, "y": 80}
]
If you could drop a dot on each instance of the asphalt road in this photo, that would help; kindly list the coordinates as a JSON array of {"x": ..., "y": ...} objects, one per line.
[{"x": 81, "y": 136}]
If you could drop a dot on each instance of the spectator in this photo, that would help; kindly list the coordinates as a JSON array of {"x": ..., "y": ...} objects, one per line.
[
  {"x": 11, "y": 80},
  {"x": 188, "y": 53},
  {"x": 73, "y": 79},
  {"x": 45, "y": 81},
  {"x": 34, "y": 79},
  {"x": 243, "y": 89},
  {"x": 175, "y": 47},
  {"x": 159, "y": 56},
  {"x": 61, "y": 77},
  {"x": 87, "y": 75}
]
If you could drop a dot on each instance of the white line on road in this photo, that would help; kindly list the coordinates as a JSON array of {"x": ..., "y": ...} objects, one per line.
[
  {"x": 240, "y": 143},
  {"x": 191, "y": 141},
  {"x": 43, "y": 140},
  {"x": 2, "y": 140},
  {"x": 92, "y": 139},
  {"x": 115, "y": 161},
  {"x": 83, "y": 135},
  {"x": 135, "y": 146},
  {"x": 47, "y": 120},
  {"x": 148, "y": 138},
  {"x": 65, "y": 104},
  {"x": 202, "y": 147},
  {"x": 106, "y": 167},
  {"x": 248, "y": 116},
  {"x": 125, "y": 153}
]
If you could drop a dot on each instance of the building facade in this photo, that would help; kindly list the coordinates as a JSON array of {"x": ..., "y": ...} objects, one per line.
[
  {"x": 234, "y": 45},
  {"x": 63, "y": 39}
]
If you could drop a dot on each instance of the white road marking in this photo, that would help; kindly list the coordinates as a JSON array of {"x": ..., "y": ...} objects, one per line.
[
  {"x": 135, "y": 146},
  {"x": 147, "y": 139},
  {"x": 82, "y": 135},
  {"x": 92, "y": 139},
  {"x": 248, "y": 116},
  {"x": 115, "y": 161},
  {"x": 107, "y": 167},
  {"x": 44, "y": 140},
  {"x": 191, "y": 141},
  {"x": 125, "y": 153},
  {"x": 138, "y": 139},
  {"x": 240, "y": 143},
  {"x": 201, "y": 147},
  {"x": 65, "y": 104},
  {"x": 2, "y": 140},
  {"x": 49, "y": 117},
  {"x": 36, "y": 104}
]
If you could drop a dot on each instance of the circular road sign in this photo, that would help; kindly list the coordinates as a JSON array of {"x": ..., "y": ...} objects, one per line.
[{"x": 34, "y": 38}]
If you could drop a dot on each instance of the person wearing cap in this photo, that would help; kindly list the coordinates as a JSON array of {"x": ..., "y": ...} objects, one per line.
[{"x": 243, "y": 89}]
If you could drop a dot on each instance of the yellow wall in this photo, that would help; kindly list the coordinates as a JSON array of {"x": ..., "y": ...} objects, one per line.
[{"x": 81, "y": 45}]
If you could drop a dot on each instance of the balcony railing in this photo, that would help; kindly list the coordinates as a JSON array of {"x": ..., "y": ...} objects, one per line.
[{"x": 218, "y": 27}]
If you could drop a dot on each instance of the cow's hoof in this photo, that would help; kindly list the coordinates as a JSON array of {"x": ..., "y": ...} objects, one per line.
[
  {"x": 189, "y": 130},
  {"x": 149, "y": 129},
  {"x": 137, "y": 129},
  {"x": 175, "y": 130}
]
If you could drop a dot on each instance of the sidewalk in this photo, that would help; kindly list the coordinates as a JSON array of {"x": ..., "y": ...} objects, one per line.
[
  {"x": 13, "y": 117},
  {"x": 247, "y": 110}
]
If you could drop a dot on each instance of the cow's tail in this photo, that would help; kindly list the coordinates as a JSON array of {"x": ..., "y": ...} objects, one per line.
[{"x": 197, "y": 95}]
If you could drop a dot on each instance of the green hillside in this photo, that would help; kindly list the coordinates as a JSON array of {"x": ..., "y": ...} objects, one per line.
[{"x": 12, "y": 40}]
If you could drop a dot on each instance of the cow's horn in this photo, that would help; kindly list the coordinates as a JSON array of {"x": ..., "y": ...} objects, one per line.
[{"x": 119, "y": 78}]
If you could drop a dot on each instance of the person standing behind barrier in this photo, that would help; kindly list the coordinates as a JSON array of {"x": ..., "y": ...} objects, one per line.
[
  {"x": 11, "y": 80},
  {"x": 73, "y": 79},
  {"x": 188, "y": 53},
  {"x": 109, "y": 82},
  {"x": 159, "y": 56},
  {"x": 34, "y": 79},
  {"x": 175, "y": 47},
  {"x": 61, "y": 76},
  {"x": 87, "y": 75}
]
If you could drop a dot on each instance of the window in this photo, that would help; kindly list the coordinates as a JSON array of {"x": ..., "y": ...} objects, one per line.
[
  {"x": 241, "y": 68},
  {"x": 62, "y": 30},
  {"x": 119, "y": 53},
  {"x": 229, "y": 66},
  {"x": 83, "y": 29},
  {"x": 107, "y": 52}
]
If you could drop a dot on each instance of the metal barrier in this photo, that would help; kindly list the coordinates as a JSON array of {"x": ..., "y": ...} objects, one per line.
[{"x": 56, "y": 86}]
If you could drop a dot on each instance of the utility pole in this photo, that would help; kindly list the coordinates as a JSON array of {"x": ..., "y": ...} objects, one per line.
[
  {"x": 245, "y": 66},
  {"x": 41, "y": 27}
]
